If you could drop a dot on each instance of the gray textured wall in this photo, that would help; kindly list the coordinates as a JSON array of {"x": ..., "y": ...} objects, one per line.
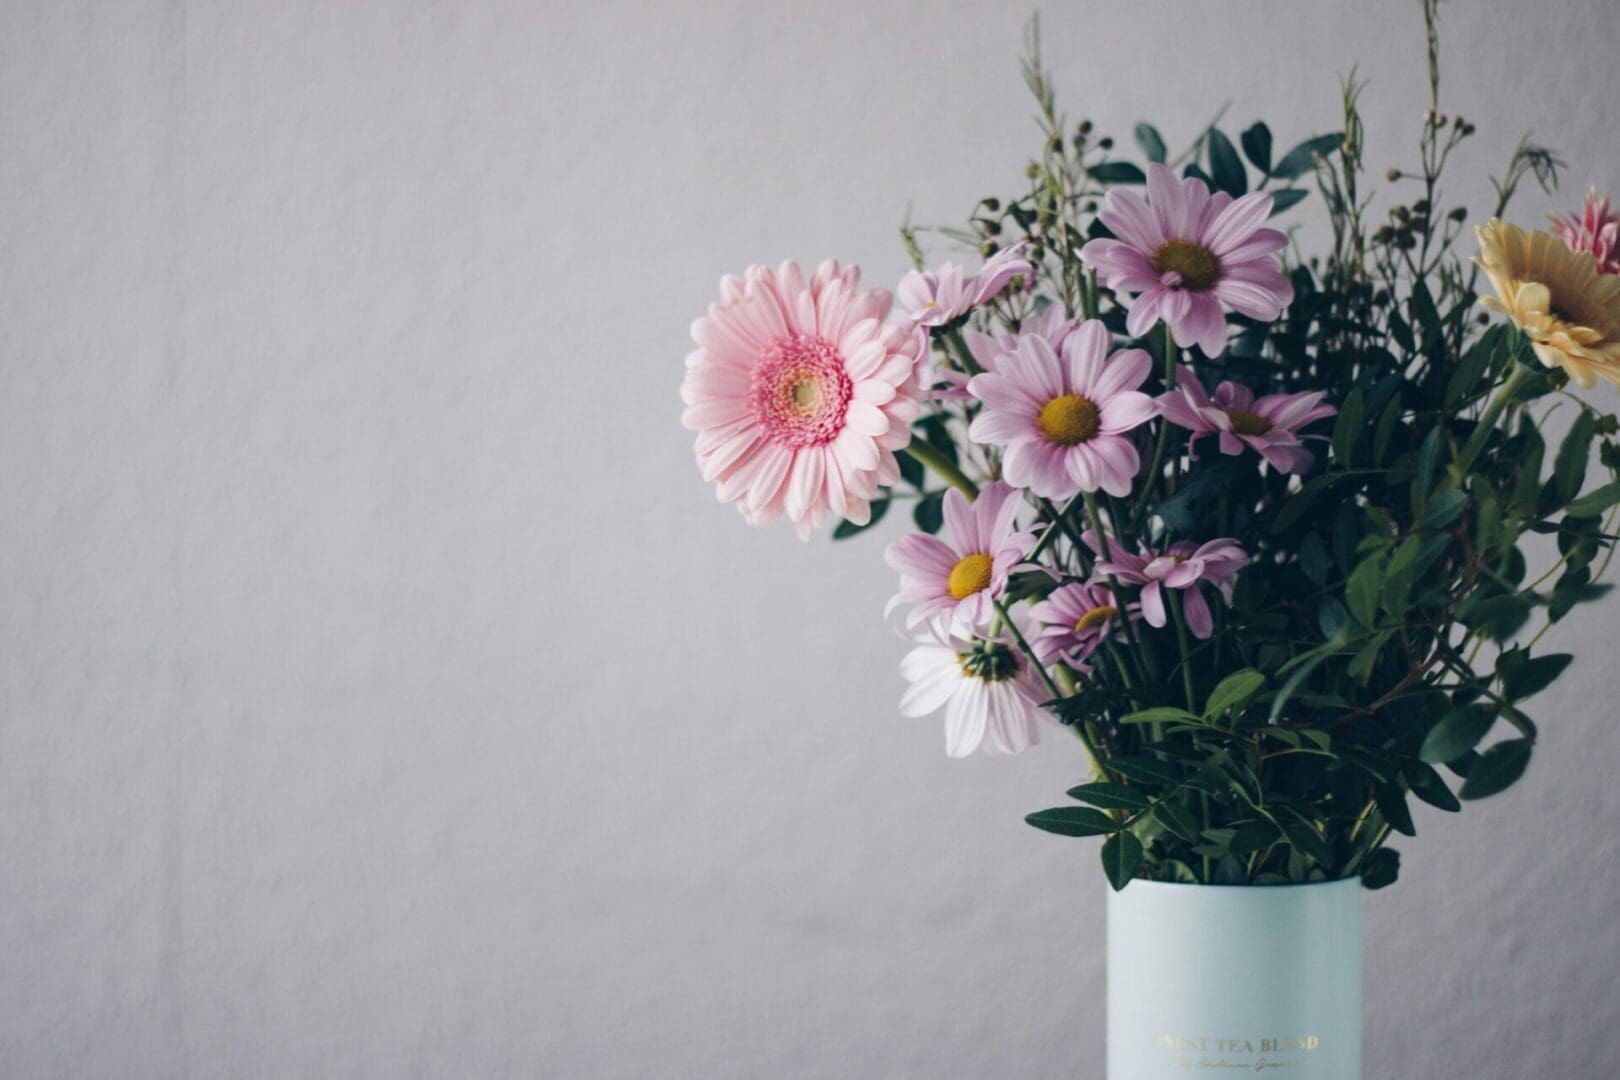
[{"x": 383, "y": 694}]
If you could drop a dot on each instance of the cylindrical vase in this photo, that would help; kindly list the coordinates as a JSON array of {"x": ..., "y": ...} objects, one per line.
[{"x": 1221, "y": 980}]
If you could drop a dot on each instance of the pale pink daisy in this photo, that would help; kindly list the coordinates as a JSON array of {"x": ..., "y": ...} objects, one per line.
[
  {"x": 1269, "y": 425},
  {"x": 1189, "y": 254},
  {"x": 955, "y": 579},
  {"x": 1075, "y": 619},
  {"x": 935, "y": 297},
  {"x": 992, "y": 699},
  {"x": 986, "y": 348},
  {"x": 1596, "y": 231},
  {"x": 998, "y": 271},
  {"x": 800, "y": 393},
  {"x": 1065, "y": 420},
  {"x": 1182, "y": 566}
]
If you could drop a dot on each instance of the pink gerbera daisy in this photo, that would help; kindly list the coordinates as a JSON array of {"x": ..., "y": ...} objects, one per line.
[
  {"x": 992, "y": 699},
  {"x": 1187, "y": 253},
  {"x": 1270, "y": 425},
  {"x": 1182, "y": 566},
  {"x": 956, "y": 579},
  {"x": 1064, "y": 420},
  {"x": 1075, "y": 620},
  {"x": 800, "y": 394},
  {"x": 1596, "y": 231}
]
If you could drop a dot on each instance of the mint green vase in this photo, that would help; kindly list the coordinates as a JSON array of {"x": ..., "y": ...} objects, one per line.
[{"x": 1217, "y": 980}]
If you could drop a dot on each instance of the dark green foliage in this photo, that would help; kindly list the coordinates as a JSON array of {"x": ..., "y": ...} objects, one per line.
[{"x": 1387, "y": 622}]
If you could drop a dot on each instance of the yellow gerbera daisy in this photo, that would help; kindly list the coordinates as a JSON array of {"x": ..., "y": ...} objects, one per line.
[{"x": 1570, "y": 312}]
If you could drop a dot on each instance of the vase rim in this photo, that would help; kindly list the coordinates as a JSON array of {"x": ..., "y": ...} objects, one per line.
[{"x": 1156, "y": 885}]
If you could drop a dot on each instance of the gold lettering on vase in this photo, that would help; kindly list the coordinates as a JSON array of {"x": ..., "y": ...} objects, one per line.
[{"x": 1196, "y": 1053}]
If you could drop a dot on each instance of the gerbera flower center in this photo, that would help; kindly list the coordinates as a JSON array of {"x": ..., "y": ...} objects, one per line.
[
  {"x": 988, "y": 661},
  {"x": 1095, "y": 618},
  {"x": 1194, "y": 264},
  {"x": 971, "y": 574},
  {"x": 800, "y": 392},
  {"x": 1070, "y": 420},
  {"x": 1245, "y": 422}
]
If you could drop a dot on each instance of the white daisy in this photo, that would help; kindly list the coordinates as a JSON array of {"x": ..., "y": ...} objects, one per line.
[{"x": 991, "y": 696}]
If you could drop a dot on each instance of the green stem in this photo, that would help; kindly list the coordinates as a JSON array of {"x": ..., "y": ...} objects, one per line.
[
  {"x": 958, "y": 349},
  {"x": 1060, "y": 523},
  {"x": 1149, "y": 667},
  {"x": 1181, "y": 643},
  {"x": 1487, "y": 422},
  {"x": 1018, "y": 635},
  {"x": 1086, "y": 736},
  {"x": 930, "y": 456},
  {"x": 1163, "y": 442}
]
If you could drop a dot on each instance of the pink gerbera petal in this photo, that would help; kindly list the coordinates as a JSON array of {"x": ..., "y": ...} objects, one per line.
[{"x": 799, "y": 394}]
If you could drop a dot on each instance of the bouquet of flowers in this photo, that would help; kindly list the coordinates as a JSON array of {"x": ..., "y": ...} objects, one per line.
[{"x": 1256, "y": 527}]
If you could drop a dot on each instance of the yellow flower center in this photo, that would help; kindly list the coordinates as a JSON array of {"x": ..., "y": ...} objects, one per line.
[
  {"x": 1069, "y": 420},
  {"x": 1245, "y": 422},
  {"x": 806, "y": 396},
  {"x": 1095, "y": 617},
  {"x": 1197, "y": 265},
  {"x": 988, "y": 661},
  {"x": 970, "y": 575}
]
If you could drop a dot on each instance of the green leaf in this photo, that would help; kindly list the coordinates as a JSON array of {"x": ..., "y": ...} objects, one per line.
[
  {"x": 1229, "y": 871},
  {"x": 1497, "y": 769},
  {"x": 1594, "y": 502},
  {"x": 1256, "y": 141},
  {"x": 1285, "y": 198},
  {"x": 1569, "y": 467},
  {"x": 1424, "y": 312},
  {"x": 1361, "y": 667},
  {"x": 1534, "y": 675},
  {"x": 1362, "y": 589},
  {"x": 1178, "y": 820},
  {"x": 1144, "y": 769},
  {"x": 1118, "y": 172},
  {"x": 1405, "y": 556},
  {"x": 1380, "y": 869},
  {"x": 1109, "y": 796},
  {"x": 1233, "y": 692},
  {"x": 1471, "y": 368},
  {"x": 1073, "y": 821},
  {"x": 1302, "y": 158},
  {"x": 1500, "y": 616},
  {"x": 911, "y": 470},
  {"x": 1151, "y": 142},
  {"x": 1161, "y": 715},
  {"x": 1429, "y": 786},
  {"x": 929, "y": 513},
  {"x": 1458, "y": 732},
  {"x": 1302, "y": 835},
  {"x": 1252, "y": 836},
  {"x": 846, "y": 529},
  {"x": 1442, "y": 510},
  {"x": 1121, "y": 855},
  {"x": 1423, "y": 475},
  {"x": 1309, "y": 662},
  {"x": 1391, "y": 802},
  {"x": 1225, "y": 167},
  {"x": 1347, "y": 428}
]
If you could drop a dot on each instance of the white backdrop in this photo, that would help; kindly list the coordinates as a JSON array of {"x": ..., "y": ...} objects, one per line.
[{"x": 383, "y": 694}]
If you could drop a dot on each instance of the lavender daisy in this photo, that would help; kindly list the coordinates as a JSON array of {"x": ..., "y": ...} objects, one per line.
[
  {"x": 1188, "y": 255},
  {"x": 1064, "y": 421},
  {"x": 1182, "y": 566},
  {"x": 1269, "y": 425}
]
